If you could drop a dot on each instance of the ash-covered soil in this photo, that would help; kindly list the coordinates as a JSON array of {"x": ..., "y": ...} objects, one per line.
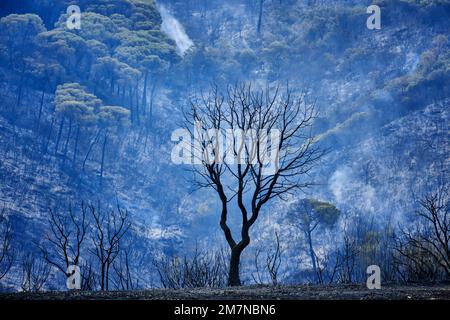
[{"x": 304, "y": 292}]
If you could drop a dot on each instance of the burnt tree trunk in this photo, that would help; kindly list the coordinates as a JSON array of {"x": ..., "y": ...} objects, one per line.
[
  {"x": 234, "y": 278},
  {"x": 152, "y": 97},
  {"x": 41, "y": 105},
  {"x": 233, "y": 275},
  {"x": 66, "y": 145},
  {"x": 49, "y": 137},
  {"x": 102, "y": 167},
  {"x": 260, "y": 16},
  {"x": 102, "y": 276},
  {"x": 138, "y": 111},
  {"x": 91, "y": 146},
  {"x": 144, "y": 94},
  {"x": 75, "y": 148},
  {"x": 312, "y": 255},
  {"x": 58, "y": 139},
  {"x": 236, "y": 248}
]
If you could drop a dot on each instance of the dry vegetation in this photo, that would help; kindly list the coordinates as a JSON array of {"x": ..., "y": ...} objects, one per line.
[{"x": 305, "y": 292}]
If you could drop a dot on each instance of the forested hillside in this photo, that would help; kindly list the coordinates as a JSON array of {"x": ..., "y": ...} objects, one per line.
[{"x": 87, "y": 117}]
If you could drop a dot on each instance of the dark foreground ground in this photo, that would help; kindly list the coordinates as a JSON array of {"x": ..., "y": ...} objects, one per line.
[{"x": 305, "y": 292}]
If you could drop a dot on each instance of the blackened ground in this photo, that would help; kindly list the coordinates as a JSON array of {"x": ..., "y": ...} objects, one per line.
[{"x": 305, "y": 292}]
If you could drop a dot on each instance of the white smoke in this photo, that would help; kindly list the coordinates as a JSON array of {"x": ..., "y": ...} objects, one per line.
[
  {"x": 347, "y": 188},
  {"x": 174, "y": 30}
]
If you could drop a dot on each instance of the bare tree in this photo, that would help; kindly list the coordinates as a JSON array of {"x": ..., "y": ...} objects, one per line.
[
  {"x": 368, "y": 172},
  {"x": 63, "y": 244},
  {"x": 308, "y": 215},
  {"x": 109, "y": 229},
  {"x": 201, "y": 270},
  {"x": 250, "y": 114},
  {"x": 35, "y": 273},
  {"x": 412, "y": 264},
  {"x": 308, "y": 223},
  {"x": 170, "y": 272},
  {"x": 329, "y": 266},
  {"x": 426, "y": 246},
  {"x": 260, "y": 16},
  {"x": 125, "y": 279},
  {"x": 88, "y": 278},
  {"x": 347, "y": 255},
  {"x": 272, "y": 263},
  {"x": 6, "y": 253}
]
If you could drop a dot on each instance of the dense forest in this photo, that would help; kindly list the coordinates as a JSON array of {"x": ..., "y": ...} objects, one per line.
[{"x": 91, "y": 103}]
